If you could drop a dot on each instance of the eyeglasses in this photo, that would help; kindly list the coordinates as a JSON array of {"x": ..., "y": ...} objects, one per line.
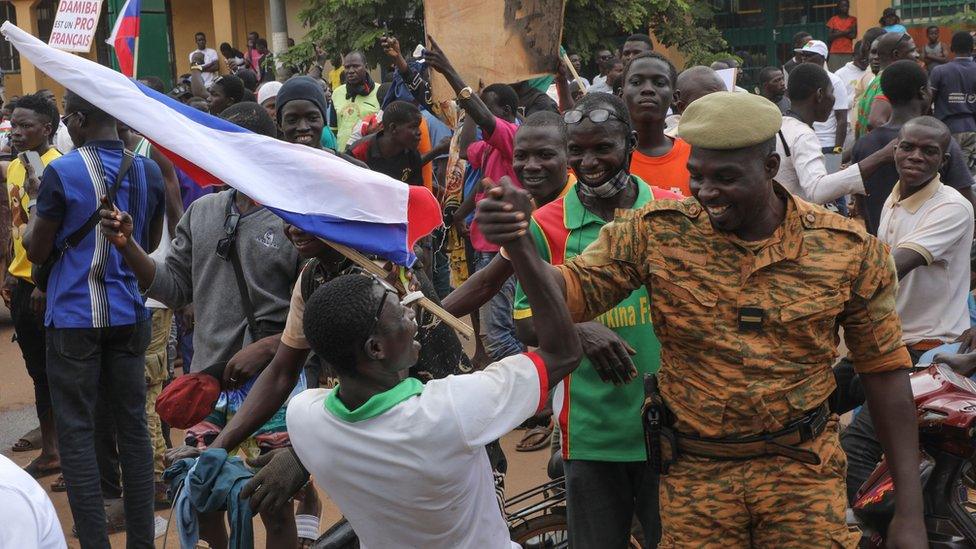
[
  {"x": 388, "y": 289},
  {"x": 597, "y": 116},
  {"x": 226, "y": 244},
  {"x": 68, "y": 117}
]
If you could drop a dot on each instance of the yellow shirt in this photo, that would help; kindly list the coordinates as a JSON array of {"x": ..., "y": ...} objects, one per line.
[
  {"x": 351, "y": 111},
  {"x": 335, "y": 77},
  {"x": 16, "y": 175}
]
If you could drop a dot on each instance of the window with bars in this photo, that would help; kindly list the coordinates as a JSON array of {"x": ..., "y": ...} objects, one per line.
[
  {"x": 917, "y": 12},
  {"x": 756, "y": 13},
  {"x": 9, "y": 60}
]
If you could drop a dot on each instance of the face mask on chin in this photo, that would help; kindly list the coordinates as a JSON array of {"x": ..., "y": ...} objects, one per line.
[{"x": 608, "y": 188}]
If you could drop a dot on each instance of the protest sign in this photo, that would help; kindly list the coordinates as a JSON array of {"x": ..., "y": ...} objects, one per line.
[
  {"x": 495, "y": 40},
  {"x": 75, "y": 24}
]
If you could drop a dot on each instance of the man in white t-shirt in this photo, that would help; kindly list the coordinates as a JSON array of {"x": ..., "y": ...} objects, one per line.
[
  {"x": 211, "y": 63},
  {"x": 405, "y": 461},
  {"x": 802, "y": 169},
  {"x": 929, "y": 227},
  {"x": 29, "y": 519},
  {"x": 832, "y": 132}
]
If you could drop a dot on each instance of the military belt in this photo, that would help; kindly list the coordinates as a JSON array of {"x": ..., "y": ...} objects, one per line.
[{"x": 779, "y": 443}]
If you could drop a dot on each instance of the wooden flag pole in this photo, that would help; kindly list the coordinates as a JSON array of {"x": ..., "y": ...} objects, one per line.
[
  {"x": 467, "y": 332},
  {"x": 569, "y": 64}
]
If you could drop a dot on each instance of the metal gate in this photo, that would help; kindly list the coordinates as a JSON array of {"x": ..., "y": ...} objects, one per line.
[{"x": 761, "y": 31}]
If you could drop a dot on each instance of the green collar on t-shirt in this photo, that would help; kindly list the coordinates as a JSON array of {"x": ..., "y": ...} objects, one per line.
[{"x": 377, "y": 404}]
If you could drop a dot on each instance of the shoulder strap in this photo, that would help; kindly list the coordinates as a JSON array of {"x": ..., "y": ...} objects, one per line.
[
  {"x": 95, "y": 218},
  {"x": 235, "y": 261}
]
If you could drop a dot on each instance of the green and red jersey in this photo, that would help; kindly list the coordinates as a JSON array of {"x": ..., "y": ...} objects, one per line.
[{"x": 599, "y": 421}]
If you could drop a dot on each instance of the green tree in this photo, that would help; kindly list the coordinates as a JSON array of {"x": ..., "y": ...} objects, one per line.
[
  {"x": 344, "y": 25},
  {"x": 684, "y": 24}
]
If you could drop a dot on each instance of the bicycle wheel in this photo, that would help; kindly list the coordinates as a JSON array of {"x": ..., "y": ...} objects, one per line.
[{"x": 543, "y": 532}]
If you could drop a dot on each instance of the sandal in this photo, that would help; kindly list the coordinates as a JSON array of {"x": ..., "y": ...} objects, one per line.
[
  {"x": 28, "y": 442},
  {"x": 535, "y": 438},
  {"x": 59, "y": 485},
  {"x": 35, "y": 470}
]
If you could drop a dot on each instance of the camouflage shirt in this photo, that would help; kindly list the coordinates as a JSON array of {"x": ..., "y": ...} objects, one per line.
[{"x": 748, "y": 330}]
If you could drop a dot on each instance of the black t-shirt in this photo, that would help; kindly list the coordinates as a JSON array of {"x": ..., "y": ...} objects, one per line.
[
  {"x": 404, "y": 166},
  {"x": 878, "y": 187}
]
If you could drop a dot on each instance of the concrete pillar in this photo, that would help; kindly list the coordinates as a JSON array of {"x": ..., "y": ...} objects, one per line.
[
  {"x": 279, "y": 33},
  {"x": 27, "y": 20},
  {"x": 224, "y": 25}
]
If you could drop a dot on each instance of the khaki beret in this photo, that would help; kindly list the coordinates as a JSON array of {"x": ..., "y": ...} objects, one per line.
[{"x": 729, "y": 120}]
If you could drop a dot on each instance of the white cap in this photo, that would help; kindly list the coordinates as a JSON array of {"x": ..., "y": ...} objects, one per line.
[
  {"x": 268, "y": 90},
  {"x": 815, "y": 46}
]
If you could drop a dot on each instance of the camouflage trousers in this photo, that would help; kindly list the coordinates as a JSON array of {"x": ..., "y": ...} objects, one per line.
[
  {"x": 763, "y": 503},
  {"x": 156, "y": 374}
]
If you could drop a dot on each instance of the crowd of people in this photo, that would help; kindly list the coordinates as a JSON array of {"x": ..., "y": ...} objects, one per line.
[{"x": 643, "y": 221}]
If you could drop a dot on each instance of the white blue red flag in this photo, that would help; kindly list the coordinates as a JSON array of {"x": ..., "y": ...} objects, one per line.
[
  {"x": 125, "y": 37},
  {"x": 310, "y": 188}
]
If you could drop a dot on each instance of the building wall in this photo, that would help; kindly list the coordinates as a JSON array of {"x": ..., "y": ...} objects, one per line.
[
  {"x": 189, "y": 17},
  {"x": 296, "y": 29}
]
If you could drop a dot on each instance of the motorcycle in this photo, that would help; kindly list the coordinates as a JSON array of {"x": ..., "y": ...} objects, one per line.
[{"x": 946, "y": 404}]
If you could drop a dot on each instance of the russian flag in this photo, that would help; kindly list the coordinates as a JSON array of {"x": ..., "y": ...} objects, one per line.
[
  {"x": 125, "y": 37},
  {"x": 309, "y": 188}
]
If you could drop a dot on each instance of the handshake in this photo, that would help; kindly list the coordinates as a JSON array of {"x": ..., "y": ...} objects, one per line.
[{"x": 503, "y": 215}]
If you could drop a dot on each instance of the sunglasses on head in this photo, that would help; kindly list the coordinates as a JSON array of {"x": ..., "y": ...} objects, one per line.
[{"x": 597, "y": 116}]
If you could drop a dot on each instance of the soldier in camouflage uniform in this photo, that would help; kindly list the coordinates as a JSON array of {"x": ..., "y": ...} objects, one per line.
[{"x": 748, "y": 285}]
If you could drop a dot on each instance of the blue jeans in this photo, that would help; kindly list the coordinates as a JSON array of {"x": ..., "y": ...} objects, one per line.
[
  {"x": 497, "y": 324},
  {"x": 84, "y": 365}
]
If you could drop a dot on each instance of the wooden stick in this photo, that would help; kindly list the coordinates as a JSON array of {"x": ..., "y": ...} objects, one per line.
[
  {"x": 465, "y": 331},
  {"x": 569, "y": 64}
]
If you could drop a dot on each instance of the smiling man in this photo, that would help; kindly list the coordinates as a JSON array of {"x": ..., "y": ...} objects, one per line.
[
  {"x": 607, "y": 478},
  {"x": 748, "y": 286},
  {"x": 539, "y": 161}
]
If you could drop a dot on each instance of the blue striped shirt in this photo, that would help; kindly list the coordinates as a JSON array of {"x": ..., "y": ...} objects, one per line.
[{"x": 90, "y": 286}]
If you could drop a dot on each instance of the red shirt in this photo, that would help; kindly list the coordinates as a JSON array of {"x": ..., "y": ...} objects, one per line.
[
  {"x": 668, "y": 171},
  {"x": 842, "y": 44},
  {"x": 493, "y": 156}
]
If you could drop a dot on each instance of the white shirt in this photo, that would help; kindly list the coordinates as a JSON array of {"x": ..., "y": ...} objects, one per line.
[
  {"x": 408, "y": 468},
  {"x": 849, "y": 74},
  {"x": 803, "y": 172},
  {"x": 936, "y": 222},
  {"x": 209, "y": 56},
  {"x": 827, "y": 131},
  {"x": 29, "y": 519},
  {"x": 600, "y": 85},
  {"x": 62, "y": 139}
]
